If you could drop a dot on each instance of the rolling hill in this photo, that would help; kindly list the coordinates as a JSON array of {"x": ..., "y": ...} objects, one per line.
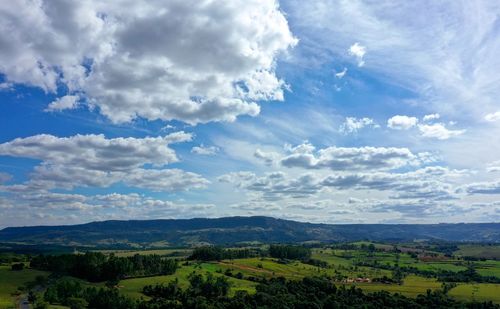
[{"x": 232, "y": 230}]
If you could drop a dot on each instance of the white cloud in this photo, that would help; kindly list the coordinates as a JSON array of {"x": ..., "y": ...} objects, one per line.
[
  {"x": 204, "y": 150},
  {"x": 157, "y": 60},
  {"x": 341, "y": 74},
  {"x": 96, "y": 152},
  {"x": 359, "y": 52},
  {"x": 268, "y": 157},
  {"x": 31, "y": 207},
  {"x": 353, "y": 124},
  {"x": 400, "y": 122},
  {"x": 430, "y": 184},
  {"x": 482, "y": 188},
  {"x": 276, "y": 185},
  {"x": 352, "y": 158},
  {"x": 493, "y": 167},
  {"x": 95, "y": 161},
  {"x": 165, "y": 180},
  {"x": 438, "y": 131},
  {"x": 492, "y": 117},
  {"x": 62, "y": 103},
  {"x": 431, "y": 117}
]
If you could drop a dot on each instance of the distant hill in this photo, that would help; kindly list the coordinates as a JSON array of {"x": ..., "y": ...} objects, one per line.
[{"x": 232, "y": 230}]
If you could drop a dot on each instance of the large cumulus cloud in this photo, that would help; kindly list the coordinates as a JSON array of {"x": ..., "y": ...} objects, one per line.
[{"x": 194, "y": 61}]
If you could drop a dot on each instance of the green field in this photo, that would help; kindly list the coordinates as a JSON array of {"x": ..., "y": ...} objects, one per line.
[
  {"x": 11, "y": 280},
  {"x": 478, "y": 291},
  {"x": 411, "y": 287},
  {"x": 488, "y": 268},
  {"x": 479, "y": 251}
]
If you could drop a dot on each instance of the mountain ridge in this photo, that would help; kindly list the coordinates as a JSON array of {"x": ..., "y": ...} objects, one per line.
[{"x": 238, "y": 229}]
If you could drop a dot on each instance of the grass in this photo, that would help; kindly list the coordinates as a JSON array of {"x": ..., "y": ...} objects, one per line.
[
  {"x": 488, "y": 268},
  {"x": 11, "y": 280},
  {"x": 411, "y": 287},
  {"x": 478, "y": 292}
]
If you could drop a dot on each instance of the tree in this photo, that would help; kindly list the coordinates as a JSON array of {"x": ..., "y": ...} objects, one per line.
[
  {"x": 17, "y": 266},
  {"x": 77, "y": 303},
  {"x": 31, "y": 297}
]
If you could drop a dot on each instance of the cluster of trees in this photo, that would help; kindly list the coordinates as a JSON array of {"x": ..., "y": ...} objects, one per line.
[
  {"x": 69, "y": 292},
  {"x": 95, "y": 266},
  {"x": 316, "y": 262},
  {"x": 7, "y": 258},
  {"x": 290, "y": 252},
  {"x": 209, "y": 287},
  {"x": 215, "y": 253}
]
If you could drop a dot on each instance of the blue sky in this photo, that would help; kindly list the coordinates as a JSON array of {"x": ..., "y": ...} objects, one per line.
[{"x": 322, "y": 111}]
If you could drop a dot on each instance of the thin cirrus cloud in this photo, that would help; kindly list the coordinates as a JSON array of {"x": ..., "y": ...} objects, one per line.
[
  {"x": 209, "y": 63},
  {"x": 448, "y": 59}
]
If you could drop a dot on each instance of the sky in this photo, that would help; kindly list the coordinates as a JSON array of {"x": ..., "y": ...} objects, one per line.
[{"x": 321, "y": 111}]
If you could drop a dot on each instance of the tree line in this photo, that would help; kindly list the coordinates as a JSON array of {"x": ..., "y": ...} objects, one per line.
[
  {"x": 215, "y": 253},
  {"x": 96, "y": 267},
  {"x": 284, "y": 252}
]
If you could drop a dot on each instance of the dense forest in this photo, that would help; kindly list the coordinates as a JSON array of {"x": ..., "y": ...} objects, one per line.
[
  {"x": 95, "y": 266},
  {"x": 215, "y": 253}
]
